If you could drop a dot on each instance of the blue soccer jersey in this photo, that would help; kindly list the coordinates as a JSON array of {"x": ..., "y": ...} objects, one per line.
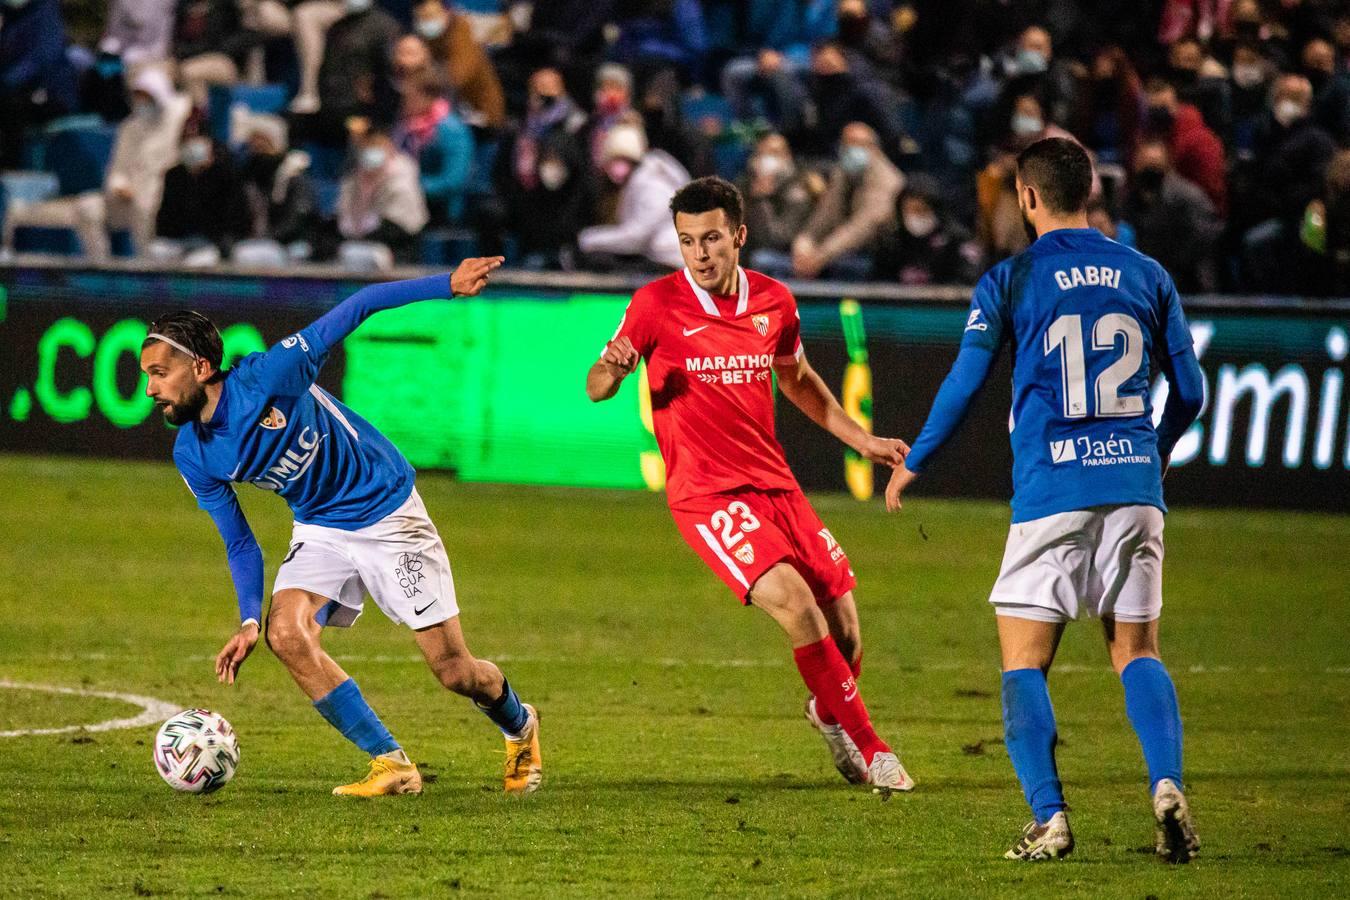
[
  {"x": 275, "y": 428},
  {"x": 1084, "y": 316}
]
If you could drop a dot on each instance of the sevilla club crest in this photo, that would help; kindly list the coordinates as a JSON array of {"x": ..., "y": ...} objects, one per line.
[
  {"x": 745, "y": 553},
  {"x": 761, "y": 324}
]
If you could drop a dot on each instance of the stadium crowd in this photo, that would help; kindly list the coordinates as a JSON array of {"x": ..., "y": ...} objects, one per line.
[{"x": 873, "y": 139}]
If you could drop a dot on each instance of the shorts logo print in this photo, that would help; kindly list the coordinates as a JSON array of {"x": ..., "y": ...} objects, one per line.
[{"x": 409, "y": 574}]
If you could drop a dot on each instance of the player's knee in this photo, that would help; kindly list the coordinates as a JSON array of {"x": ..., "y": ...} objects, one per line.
[
  {"x": 285, "y": 639},
  {"x": 458, "y": 674}
]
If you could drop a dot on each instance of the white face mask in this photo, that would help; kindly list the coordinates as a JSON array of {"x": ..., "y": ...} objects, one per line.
[
  {"x": 146, "y": 109},
  {"x": 430, "y": 29},
  {"x": 854, "y": 159},
  {"x": 196, "y": 151},
  {"x": 373, "y": 158},
  {"x": 1248, "y": 76},
  {"x": 921, "y": 225},
  {"x": 770, "y": 165},
  {"x": 1024, "y": 125},
  {"x": 359, "y": 6},
  {"x": 1287, "y": 112},
  {"x": 552, "y": 174}
]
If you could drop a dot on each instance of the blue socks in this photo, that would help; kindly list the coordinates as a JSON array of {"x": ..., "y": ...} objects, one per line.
[
  {"x": 506, "y": 712},
  {"x": 1151, "y": 704},
  {"x": 1029, "y": 733},
  {"x": 348, "y": 712}
]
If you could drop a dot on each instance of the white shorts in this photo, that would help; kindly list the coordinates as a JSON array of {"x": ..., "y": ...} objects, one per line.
[
  {"x": 400, "y": 561},
  {"x": 1090, "y": 563}
]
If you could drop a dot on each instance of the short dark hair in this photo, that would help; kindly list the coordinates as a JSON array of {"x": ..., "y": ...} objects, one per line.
[
  {"x": 706, "y": 194},
  {"x": 191, "y": 329},
  {"x": 1060, "y": 171}
]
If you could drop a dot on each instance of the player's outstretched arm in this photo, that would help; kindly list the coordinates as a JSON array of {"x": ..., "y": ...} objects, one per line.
[
  {"x": 619, "y": 360},
  {"x": 808, "y": 392}
]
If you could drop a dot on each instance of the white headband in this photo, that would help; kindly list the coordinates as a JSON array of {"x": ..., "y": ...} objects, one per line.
[{"x": 172, "y": 343}]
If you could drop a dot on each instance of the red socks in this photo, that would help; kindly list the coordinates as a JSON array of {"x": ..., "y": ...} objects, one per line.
[
  {"x": 825, "y": 715},
  {"x": 829, "y": 678}
]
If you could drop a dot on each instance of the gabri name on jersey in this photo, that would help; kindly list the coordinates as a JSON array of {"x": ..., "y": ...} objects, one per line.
[{"x": 1087, "y": 276}]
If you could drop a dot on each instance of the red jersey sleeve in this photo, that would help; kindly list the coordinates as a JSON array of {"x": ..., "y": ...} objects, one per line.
[
  {"x": 789, "y": 347},
  {"x": 637, "y": 324}
]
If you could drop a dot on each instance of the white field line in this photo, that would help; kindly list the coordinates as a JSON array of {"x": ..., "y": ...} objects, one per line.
[
  {"x": 152, "y": 711},
  {"x": 729, "y": 663}
]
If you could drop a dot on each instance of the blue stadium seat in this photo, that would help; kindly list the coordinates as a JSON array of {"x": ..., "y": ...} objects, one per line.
[
  {"x": 260, "y": 98},
  {"x": 79, "y": 157},
  {"x": 326, "y": 189}
]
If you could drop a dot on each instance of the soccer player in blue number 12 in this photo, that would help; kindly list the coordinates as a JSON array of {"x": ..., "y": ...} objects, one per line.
[
  {"x": 360, "y": 526},
  {"x": 1083, "y": 315}
]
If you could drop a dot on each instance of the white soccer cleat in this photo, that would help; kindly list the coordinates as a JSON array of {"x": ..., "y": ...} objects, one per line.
[
  {"x": 1175, "y": 838},
  {"x": 847, "y": 759},
  {"x": 885, "y": 774},
  {"x": 1053, "y": 840}
]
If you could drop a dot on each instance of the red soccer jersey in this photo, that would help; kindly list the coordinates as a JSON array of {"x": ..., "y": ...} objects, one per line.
[{"x": 709, "y": 365}]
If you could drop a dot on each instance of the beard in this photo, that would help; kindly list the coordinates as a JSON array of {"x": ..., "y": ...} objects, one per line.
[
  {"x": 183, "y": 412},
  {"x": 1027, "y": 227}
]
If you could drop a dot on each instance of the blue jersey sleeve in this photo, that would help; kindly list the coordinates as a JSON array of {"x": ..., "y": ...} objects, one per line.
[
  {"x": 242, "y": 553},
  {"x": 1174, "y": 333},
  {"x": 986, "y": 328},
  {"x": 292, "y": 365}
]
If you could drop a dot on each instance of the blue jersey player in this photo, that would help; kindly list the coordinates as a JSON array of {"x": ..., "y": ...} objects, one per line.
[
  {"x": 360, "y": 526},
  {"x": 1084, "y": 316}
]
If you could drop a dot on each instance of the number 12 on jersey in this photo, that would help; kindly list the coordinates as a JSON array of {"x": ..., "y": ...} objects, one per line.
[{"x": 1065, "y": 334}]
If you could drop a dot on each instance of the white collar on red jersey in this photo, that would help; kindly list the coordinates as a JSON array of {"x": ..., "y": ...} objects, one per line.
[{"x": 706, "y": 301}]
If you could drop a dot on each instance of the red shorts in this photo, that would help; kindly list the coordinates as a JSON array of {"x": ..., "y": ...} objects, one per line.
[{"x": 743, "y": 534}]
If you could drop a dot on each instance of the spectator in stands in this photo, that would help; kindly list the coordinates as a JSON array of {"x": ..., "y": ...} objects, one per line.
[
  {"x": 380, "y": 199},
  {"x": 1325, "y": 234},
  {"x": 1251, "y": 75},
  {"x": 1028, "y": 122},
  {"x": 841, "y": 91},
  {"x": 1196, "y": 151},
  {"x": 356, "y": 76},
  {"x": 858, "y": 205},
  {"x": 139, "y": 32},
  {"x": 37, "y": 82},
  {"x": 147, "y": 146},
  {"x": 1173, "y": 220},
  {"x": 310, "y": 21},
  {"x": 209, "y": 43},
  {"x": 999, "y": 225},
  {"x": 282, "y": 201},
  {"x": 473, "y": 81},
  {"x": 1289, "y": 166},
  {"x": 1201, "y": 81},
  {"x": 925, "y": 247},
  {"x": 1331, "y": 88},
  {"x": 771, "y": 45},
  {"x": 869, "y": 39},
  {"x": 668, "y": 130},
  {"x": 642, "y": 234},
  {"x": 431, "y": 133},
  {"x": 778, "y": 201},
  {"x": 612, "y": 106},
  {"x": 659, "y": 35},
  {"x": 1107, "y": 112},
  {"x": 568, "y": 35},
  {"x": 1032, "y": 67},
  {"x": 204, "y": 210}
]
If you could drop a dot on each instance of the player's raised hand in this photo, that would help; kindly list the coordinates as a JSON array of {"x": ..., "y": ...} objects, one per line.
[
  {"x": 901, "y": 478},
  {"x": 235, "y": 651},
  {"x": 885, "y": 451},
  {"x": 622, "y": 354},
  {"x": 471, "y": 276}
]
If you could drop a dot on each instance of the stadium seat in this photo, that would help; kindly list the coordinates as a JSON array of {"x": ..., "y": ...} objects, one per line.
[
  {"x": 259, "y": 253},
  {"x": 259, "y": 98},
  {"x": 365, "y": 256},
  {"x": 79, "y": 156}
]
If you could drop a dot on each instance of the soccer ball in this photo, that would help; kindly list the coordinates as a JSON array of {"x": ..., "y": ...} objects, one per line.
[{"x": 196, "y": 751}]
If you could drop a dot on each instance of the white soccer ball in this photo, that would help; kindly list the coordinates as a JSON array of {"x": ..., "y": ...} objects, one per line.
[{"x": 196, "y": 751}]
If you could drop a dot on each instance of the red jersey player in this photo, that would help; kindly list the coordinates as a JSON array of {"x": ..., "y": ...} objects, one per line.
[{"x": 713, "y": 336}]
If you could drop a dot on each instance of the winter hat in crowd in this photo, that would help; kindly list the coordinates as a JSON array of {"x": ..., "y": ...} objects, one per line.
[{"x": 624, "y": 142}]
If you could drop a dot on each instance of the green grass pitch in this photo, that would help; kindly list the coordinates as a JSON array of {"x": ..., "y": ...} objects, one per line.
[{"x": 677, "y": 761}]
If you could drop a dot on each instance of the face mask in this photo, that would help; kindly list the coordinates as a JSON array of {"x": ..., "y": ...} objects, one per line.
[
  {"x": 552, "y": 174},
  {"x": 195, "y": 153},
  {"x": 1287, "y": 112},
  {"x": 607, "y": 103},
  {"x": 1149, "y": 179},
  {"x": 1024, "y": 125},
  {"x": 920, "y": 225},
  {"x": 359, "y": 6},
  {"x": 1030, "y": 62},
  {"x": 1249, "y": 75},
  {"x": 373, "y": 158},
  {"x": 16, "y": 4},
  {"x": 146, "y": 109},
  {"x": 1159, "y": 119},
  {"x": 618, "y": 170},
  {"x": 854, "y": 159},
  {"x": 769, "y": 165},
  {"x": 430, "y": 29}
]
